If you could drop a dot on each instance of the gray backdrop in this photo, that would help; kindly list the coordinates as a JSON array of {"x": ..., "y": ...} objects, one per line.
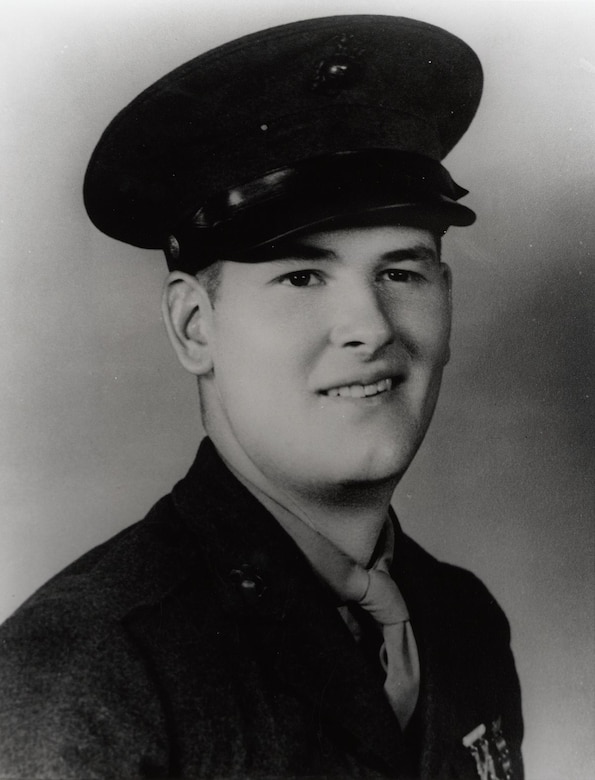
[{"x": 97, "y": 420}]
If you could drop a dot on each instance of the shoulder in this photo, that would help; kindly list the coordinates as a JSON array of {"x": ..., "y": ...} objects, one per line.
[
  {"x": 453, "y": 590},
  {"x": 465, "y": 641},
  {"x": 457, "y": 611},
  {"x": 134, "y": 567},
  {"x": 68, "y": 664}
]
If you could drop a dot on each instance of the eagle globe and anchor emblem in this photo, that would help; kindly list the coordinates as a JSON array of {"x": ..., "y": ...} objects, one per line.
[{"x": 490, "y": 752}]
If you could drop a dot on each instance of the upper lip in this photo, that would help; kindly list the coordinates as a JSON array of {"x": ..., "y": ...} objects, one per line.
[{"x": 368, "y": 378}]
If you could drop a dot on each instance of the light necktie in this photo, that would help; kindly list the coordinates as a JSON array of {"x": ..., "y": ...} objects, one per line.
[
  {"x": 373, "y": 590},
  {"x": 398, "y": 655}
]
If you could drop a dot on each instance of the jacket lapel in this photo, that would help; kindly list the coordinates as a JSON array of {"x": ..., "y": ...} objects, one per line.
[
  {"x": 319, "y": 660},
  {"x": 454, "y": 698},
  {"x": 440, "y": 719},
  {"x": 288, "y": 616}
]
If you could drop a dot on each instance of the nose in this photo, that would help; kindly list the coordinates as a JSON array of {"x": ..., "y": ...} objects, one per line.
[{"x": 361, "y": 322}]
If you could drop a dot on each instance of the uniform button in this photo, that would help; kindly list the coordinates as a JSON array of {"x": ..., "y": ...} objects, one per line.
[{"x": 246, "y": 577}]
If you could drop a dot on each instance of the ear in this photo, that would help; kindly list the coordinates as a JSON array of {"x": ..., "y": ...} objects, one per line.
[
  {"x": 447, "y": 278},
  {"x": 187, "y": 313}
]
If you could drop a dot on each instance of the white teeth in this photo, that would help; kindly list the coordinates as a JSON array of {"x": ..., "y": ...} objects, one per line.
[{"x": 360, "y": 391}]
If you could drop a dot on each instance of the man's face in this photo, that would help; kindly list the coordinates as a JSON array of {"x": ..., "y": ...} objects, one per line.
[{"x": 327, "y": 358}]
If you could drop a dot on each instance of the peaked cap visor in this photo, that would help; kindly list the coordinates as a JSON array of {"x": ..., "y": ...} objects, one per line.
[{"x": 273, "y": 101}]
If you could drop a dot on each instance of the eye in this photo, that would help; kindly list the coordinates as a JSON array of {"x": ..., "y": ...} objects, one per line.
[
  {"x": 402, "y": 275},
  {"x": 301, "y": 279}
]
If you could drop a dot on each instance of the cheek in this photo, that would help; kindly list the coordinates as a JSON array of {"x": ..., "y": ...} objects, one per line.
[
  {"x": 261, "y": 353},
  {"x": 425, "y": 331},
  {"x": 437, "y": 338}
]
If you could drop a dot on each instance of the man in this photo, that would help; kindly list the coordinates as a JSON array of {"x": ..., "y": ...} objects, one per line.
[{"x": 269, "y": 618}]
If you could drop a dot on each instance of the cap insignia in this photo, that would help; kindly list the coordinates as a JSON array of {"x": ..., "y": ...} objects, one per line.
[{"x": 342, "y": 69}]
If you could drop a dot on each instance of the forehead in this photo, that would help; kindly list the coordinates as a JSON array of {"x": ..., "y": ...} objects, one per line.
[
  {"x": 347, "y": 242},
  {"x": 367, "y": 240}
]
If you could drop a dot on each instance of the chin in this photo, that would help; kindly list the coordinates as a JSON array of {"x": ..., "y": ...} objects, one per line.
[{"x": 373, "y": 466}]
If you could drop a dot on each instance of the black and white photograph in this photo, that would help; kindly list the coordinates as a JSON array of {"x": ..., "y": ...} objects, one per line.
[{"x": 296, "y": 420}]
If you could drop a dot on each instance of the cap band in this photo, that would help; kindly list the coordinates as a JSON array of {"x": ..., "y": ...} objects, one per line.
[{"x": 395, "y": 185}]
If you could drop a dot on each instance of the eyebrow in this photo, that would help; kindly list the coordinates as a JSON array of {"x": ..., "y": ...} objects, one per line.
[{"x": 418, "y": 252}]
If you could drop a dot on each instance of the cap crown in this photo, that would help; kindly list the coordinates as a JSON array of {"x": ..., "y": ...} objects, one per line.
[{"x": 274, "y": 99}]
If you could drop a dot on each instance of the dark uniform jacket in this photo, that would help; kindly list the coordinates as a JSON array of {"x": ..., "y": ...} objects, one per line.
[{"x": 199, "y": 644}]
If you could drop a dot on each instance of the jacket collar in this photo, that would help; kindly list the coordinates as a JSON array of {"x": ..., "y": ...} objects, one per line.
[
  {"x": 285, "y": 611},
  {"x": 290, "y": 617},
  {"x": 244, "y": 543}
]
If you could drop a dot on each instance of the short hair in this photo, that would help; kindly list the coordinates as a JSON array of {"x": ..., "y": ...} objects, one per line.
[{"x": 210, "y": 279}]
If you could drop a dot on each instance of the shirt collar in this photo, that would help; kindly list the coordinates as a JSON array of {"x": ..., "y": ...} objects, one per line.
[{"x": 346, "y": 577}]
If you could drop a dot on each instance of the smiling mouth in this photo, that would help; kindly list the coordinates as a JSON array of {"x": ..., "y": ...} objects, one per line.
[{"x": 360, "y": 391}]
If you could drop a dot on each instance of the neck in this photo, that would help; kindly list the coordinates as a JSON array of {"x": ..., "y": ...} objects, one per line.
[{"x": 351, "y": 517}]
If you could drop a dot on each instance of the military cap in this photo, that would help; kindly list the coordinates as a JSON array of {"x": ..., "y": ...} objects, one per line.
[{"x": 281, "y": 130}]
